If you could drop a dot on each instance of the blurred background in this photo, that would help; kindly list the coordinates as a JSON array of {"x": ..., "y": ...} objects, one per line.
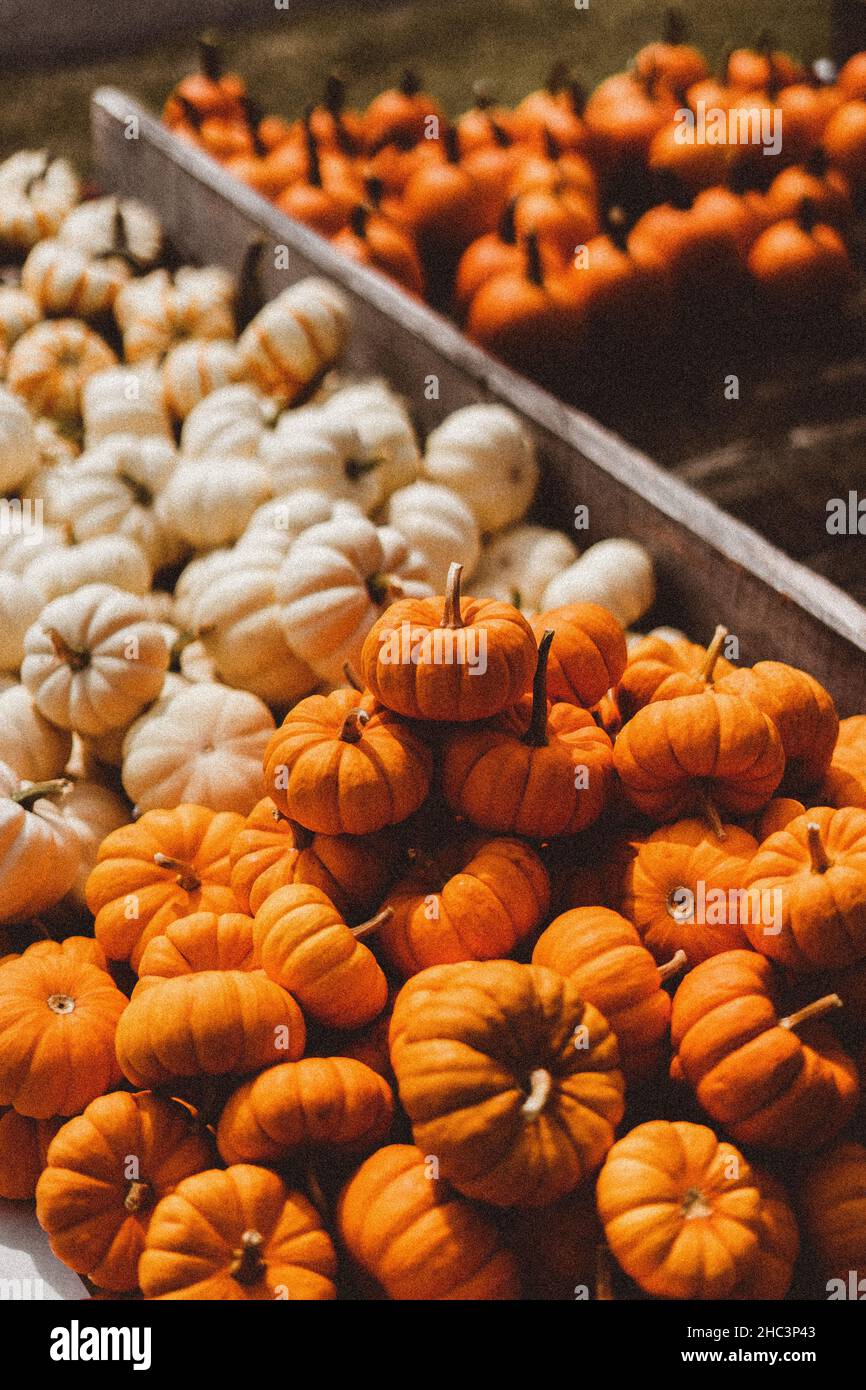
[{"x": 54, "y": 52}]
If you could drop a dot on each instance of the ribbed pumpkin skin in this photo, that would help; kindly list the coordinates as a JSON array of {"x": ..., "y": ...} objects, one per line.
[
  {"x": 133, "y": 898},
  {"x": 802, "y": 711},
  {"x": 319, "y": 1100},
  {"x": 23, "y": 1149},
  {"x": 469, "y": 1042},
  {"x": 751, "y": 1074},
  {"x": 417, "y": 1238},
  {"x": 196, "y": 1233},
  {"x": 845, "y": 783},
  {"x": 674, "y": 752},
  {"x": 653, "y": 1181},
  {"x": 601, "y": 953},
  {"x": 83, "y": 1194},
  {"x": 212, "y": 1023},
  {"x": 832, "y": 1202},
  {"x": 266, "y": 854},
  {"x": 58, "y": 1018},
  {"x": 304, "y": 944},
  {"x": 335, "y": 786},
  {"x": 661, "y": 669},
  {"x": 202, "y": 941},
  {"x": 588, "y": 654},
  {"x": 475, "y": 901},
  {"x": 778, "y": 1244}
]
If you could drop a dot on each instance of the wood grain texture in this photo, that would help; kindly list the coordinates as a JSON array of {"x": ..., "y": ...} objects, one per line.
[{"x": 712, "y": 567}]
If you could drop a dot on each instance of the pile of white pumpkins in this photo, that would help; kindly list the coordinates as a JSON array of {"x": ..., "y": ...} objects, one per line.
[{"x": 185, "y": 548}]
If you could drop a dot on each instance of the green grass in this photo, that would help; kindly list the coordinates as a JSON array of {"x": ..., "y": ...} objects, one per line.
[{"x": 510, "y": 43}]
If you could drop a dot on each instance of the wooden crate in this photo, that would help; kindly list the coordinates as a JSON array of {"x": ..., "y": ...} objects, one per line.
[{"x": 712, "y": 568}]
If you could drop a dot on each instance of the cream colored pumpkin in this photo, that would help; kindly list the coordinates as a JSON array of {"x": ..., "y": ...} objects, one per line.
[
  {"x": 336, "y": 580},
  {"x": 17, "y": 313},
  {"x": 311, "y": 451},
  {"x": 91, "y": 811},
  {"x": 54, "y": 446},
  {"x": 38, "y": 850},
  {"x": 106, "y": 750},
  {"x": 518, "y": 564},
  {"x": 50, "y": 365},
  {"x": 484, "y": 453},
  {"x": 35, "y": 748},
  {"x": 229, "y": 423},
  {"x": 197, "y": 665},
  {"x": 156, "y": 312},
  {"x": 124, "y": 400},
  {"x": 439, "y": 525},
  {"x": 19, "y": 451},
  {"x": 276, "y": 524},
  {"x": 617, "y": 574},
  {"x": 19, "y": 549},
  {"x": 92, "y": 228},
  {"x": 63, "y": 280},
  {"x": 93, "y": 660},
  {"x": 190, "y": 371},
  {"x": 21, "y": 602},
  {"x": 384, "y": 428},
  {"x": 206, "y": 746},
  {"x": 294, "y": 338},
  {"x": 63, "y": 570},
  {"x": 209, "y": 503},
  {"x": 36, "y": 194}
]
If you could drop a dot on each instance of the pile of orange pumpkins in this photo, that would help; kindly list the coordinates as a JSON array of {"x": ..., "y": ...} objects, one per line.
[
  {"x": 539, "y": 970},
  {"x": 567, "y": 221}
]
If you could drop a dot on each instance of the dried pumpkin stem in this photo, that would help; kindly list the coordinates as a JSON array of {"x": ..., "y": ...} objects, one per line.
[
  {"x": 40, "y": 791},
  {"x": 821, "y": 860},
  {"x": 186, "y": 876},
  {"x": 711, "y": 815},
  {"x": 714, "y": 651},
  {"x": 75, "y": 660},
  {"x": 540, "y": 1086},
  {"x": 351, "y": 677},
  {"x": 138, "y": 1195},
  {"x": 536, "y": 734},
  {"x": 451, "y": 615},
  {"x": 353, "y": 725},
  {"x": 373, "y": 924},
  {"x": 817, "y": 1009},
  {"x": 247, "y": 1265},
  {"x": 672, "y": 966}
]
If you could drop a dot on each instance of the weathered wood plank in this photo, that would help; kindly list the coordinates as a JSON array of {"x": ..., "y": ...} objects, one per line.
[{"x": 712, "y": 566}]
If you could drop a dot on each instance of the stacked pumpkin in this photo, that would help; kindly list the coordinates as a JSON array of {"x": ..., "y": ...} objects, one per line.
[
  {"x": 567, "y": 222},
  {"x": 416, "y": 1006}
]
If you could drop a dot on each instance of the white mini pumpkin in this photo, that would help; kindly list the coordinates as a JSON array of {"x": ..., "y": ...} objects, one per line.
[
  {"x": 276, "y": 524},
  {"x": 190, "y": 371},
  {"x": 336, "y": 580},
  {"x": 384, "y": 427},
  {"x": 105, "y": 751},
  {"x": 156, "y": 312},
  {"x": 229, "y": 423},
  {"x": 21, "y": 601},
  {"x": 36, "y": 194},
  {"x": 17, "y": 314},
  {"x": 309, "y": 450},
  {"x": 124, "y": 400},
  {"x": 19, "y": 451},
  {"x": 484, "y": 453},
  {"x": 294, "y": 338},
  {"x": 93, "y": 660},
  {"x": 92, "y": 228},
  {"x": 518, "y": 564},
  {"x": 54, "y": 446},
  {"x": 50, "y": 365},
  {"x": 62, "y": 570},
  {"x": 38, "y": 850},
  {"x": 208, "y": 503},
  {"x": 440, "y": 526},
  {"x": 617, "y": 574},
  {"x": 37, "y": 749},
  {"x": 63, "y": 280},
  {"x": 19, "y": 549},
  {"x": 205, "y": 746}
]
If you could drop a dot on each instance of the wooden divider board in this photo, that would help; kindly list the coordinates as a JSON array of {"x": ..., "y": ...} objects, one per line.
[{"x": 712, "y": 568}]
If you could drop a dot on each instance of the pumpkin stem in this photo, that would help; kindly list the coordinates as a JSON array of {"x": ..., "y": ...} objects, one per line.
[
  {"x": 314, "y": 168},
  {"x": 551, "y": 144},
  {"x": 359, "y": 468},
  {"x": 817, "y": 162},
  {"x": 500, "y": 135},
  {"x": 695, "y": 1204},
  {"x": 75, "y": 660},
  {"x": 247, "y": 1265},
  {"x": 711, "y": 814},
  {"x": 452, "y": 146},
  {"x": 252, "y": 115},
  {"x": 540, "y": 1086},
  {"x": 351, "y": 677},
  {"x": 60, "y": 1003},
  {"x": 534, "y": 269},
  {"x": 210, "y": 58},
  {"x": 373, "y": 925},
  {"x": 577, "y": 95},
  {"x": 138, "y": 1195},
  {"x": 451, "y": 615},
  {"x": 358, "y": 219},
  {"x": 410, "y": 83},
  {"x": 334, "y": 97},
  {"x": 374, "y": 189},
  {"x": 189, "y": 109},
  {"x": 536, "y": 734},
  {"x": 821, "y": 861},
  {"x": 507, "y": 229},
  {"x": 807, "y": 215},
  {"x": 714, "y": 651},
  {"x": 603, "y": 1275},
  {"x": 817, "y": 1009},
  {"x": 353, "y": 725},
  {"x": 674, "y": 29},
  {"x": 39, "y": 791},
  {"x": 557, "y": 77},
  {"x": 186, "y": 877},
  {"x": 384, "y": 589},
  {"x": 672, "y": 967}
]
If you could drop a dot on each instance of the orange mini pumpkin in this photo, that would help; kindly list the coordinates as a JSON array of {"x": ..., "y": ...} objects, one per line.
[
  {"x": 521, "y": 314},
  {"x": 401, "y": 113},
  {"x": 845, "y": 783},
  {"x": 671, "y": 57},
  {"x": 588, "y": 653},
  {"x": 167, "y": 864},
  {"x": 675, "y": 754},
  {"x": 341, "y": 764},
  {"x": 801, "y": 263},
  {"x": 815, "y": 179},
  {"x": 661, "y": 668},
  {"x": 745, "y": 1062},
  {"x": 475, "y": 900},
  {"x": 802, "y": 711},
  {"x": 202, "y": 941},
  {"x": 423, "y": 657},
  {"x": 845, "y": 141},
  {"x": 601, "y": 953},
  {"x": 24, "y": 1146},
  {"x": 374, "y": 240}
]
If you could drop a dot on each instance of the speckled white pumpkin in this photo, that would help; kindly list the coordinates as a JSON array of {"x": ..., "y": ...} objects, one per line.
[
  {"x": 21, "y": 601},
  {"x": 38, "y": 851},
  {"x": 311, "y": 451},
  {"x": 112, "y": 490},
  {"x": 294, "y": 338},
  {"x": 124, "y": 400},
  {"x": 518, "y": 564},
  {"x": 19, "y": 451},
  {"x": 63, "y": 570}
]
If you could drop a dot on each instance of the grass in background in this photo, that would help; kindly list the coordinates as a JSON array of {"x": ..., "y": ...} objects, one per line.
[{"x": 509, "y": 43}]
